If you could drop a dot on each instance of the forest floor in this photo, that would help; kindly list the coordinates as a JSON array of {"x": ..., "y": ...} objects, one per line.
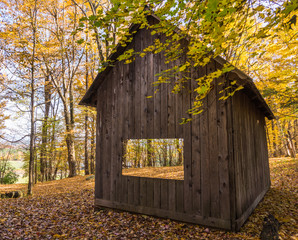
[
  {"x": 63, "y": 209},
  {"x": 174, "y": 172}
]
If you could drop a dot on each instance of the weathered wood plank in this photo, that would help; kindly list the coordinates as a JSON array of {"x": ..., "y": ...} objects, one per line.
[
  {"x": 126, "y": 97},
  {"x": 124, "y": 125},
  {"x": 136, "y": 194},
  {"x": 179, "y": 196},
  {"x": 144, "y": 83},
  {"x": 205, "y": 179},
  {"x": 249, "y": 160},
  {"x": 120, "y": 131},
  {"x": 114, "y": 139},
  {"x": 164, "y": 194},
  {"x": 180, "y": 216},
  {"x": 259, "y": 153},
  {"x": 196, "y": 145},
  {"x": 150, "y": 89},
  {"x": 231, "y": 162},
  {"x": 99, "y": 140},
  {"x": 106, "y": 145},
  {"x": 157, "y": 193},
  {"x": 258, "y": 156},
  {"x": 124, "y": 116},
  {"x": 164, "y": 113},
  {"x": 124, "y": 191},
  {"x": 130, "y": 190},
  {"x": 163, "y": 98},
  {"x": 137, "y": 89},
  {"x": 213, "y": 144},
  {"x": 178, "y": 107},
  {"x": 252, "y": 150},
  {"x": 157, "y": 95},
  {"x": 223, "y": 151},
  {"x": 131, "y": 96},
  {"x": 242, "y": 158},
  {"x": 143, "y": 191},
  {"x": 150, "y": 193},
  {"x": 237, "y": 153},
  {"x": 262, "y": 145},
  {"x": 172, "y": 195},
  {"x": 171, "y": 106},
  {"x": 186, "y": 105}
]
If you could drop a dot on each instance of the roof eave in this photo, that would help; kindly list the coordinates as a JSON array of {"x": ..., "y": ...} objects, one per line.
[{"x": 249, "y": 84}]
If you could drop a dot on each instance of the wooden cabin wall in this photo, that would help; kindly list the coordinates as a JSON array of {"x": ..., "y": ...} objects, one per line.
[
  {"x": 252, "y": 176},
  {"x": 125, "y": 112}
]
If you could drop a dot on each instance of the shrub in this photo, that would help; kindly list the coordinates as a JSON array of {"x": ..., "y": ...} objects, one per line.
[{"x": 8, "y": 176}]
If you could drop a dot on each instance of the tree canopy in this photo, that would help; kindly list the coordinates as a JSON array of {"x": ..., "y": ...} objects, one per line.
[{"x": 50, "y": 51}]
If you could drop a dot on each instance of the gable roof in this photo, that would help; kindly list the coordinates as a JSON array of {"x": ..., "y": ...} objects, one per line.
[
  {"x": 87, "y": 98},
  {"x": 242, "y": 79}
]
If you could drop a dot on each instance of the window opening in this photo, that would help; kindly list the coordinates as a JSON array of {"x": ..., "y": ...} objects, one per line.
[{"x": 154, "y": 158}]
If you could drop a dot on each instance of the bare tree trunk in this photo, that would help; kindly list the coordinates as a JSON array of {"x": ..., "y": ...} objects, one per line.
[
  {"x": 281, "y": 127},
  {"x": 32, "y": 104},
  {"x": 149, "y": 153},
  {"x": 165, "y": 155},
  {"x": 87, "y": 172},
  {"x": 44, "y": 138},
  {"x": 290, "y": 143},
  {"x": 53, "y": 150},
  {"x": 274, "y": 139},
  {"x": 86, "y": 123},
  {"x": 70, "y": 144},
  {"x": 138, "y": 155},
  {"x": 179, "y": 149},
  {"x": 35, "y": 175},
  {"x": 170, "y": 156}
]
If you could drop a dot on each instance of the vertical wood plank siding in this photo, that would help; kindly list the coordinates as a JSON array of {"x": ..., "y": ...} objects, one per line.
[
  {"x": 224, "y": 147},
  {"x": 251, "y": 166}
]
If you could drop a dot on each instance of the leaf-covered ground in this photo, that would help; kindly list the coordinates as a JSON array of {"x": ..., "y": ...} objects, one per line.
[
  {"x": 174, "y": 172},
  {"x": 64, "y": 210}
]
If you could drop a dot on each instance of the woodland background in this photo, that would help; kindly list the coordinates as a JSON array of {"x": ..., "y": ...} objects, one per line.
[{"x": 50, "y": 51}]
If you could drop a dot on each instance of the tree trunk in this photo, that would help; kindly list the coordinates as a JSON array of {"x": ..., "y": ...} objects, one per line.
[
  {"x": 290, "y": 143},
  {"x": 149, "y": 153},
  {"x": 86, "y": 123},
  {"x": 274, "y": 139},
  {"x": 32, "y": 104},
  {"x": 71, "y": 155},
  {"x": 87, "y": 172},
  {"x": 70, "y": 144},
  {"x": 165, "y": 153},
  {"x": 138, "y": 155},
  {"x": 44, "y": 138},
  {"x": 179, "y": 149},
  {"x": 35, "y": 169},
  {"x": 170, "y": 156}
]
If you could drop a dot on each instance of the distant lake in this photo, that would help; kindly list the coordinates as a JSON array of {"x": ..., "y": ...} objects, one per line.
[{"x": 19, "y": 171}]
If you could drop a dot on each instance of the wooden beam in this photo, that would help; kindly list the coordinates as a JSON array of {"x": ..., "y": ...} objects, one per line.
[{"x": 180, "y": 216}]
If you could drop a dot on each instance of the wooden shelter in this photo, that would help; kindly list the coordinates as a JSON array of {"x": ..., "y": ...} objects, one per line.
[{"x": 226, "y": 170}]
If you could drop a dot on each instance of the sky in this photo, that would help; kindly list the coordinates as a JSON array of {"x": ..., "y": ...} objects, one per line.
[{"x": 17, "y": 126}]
